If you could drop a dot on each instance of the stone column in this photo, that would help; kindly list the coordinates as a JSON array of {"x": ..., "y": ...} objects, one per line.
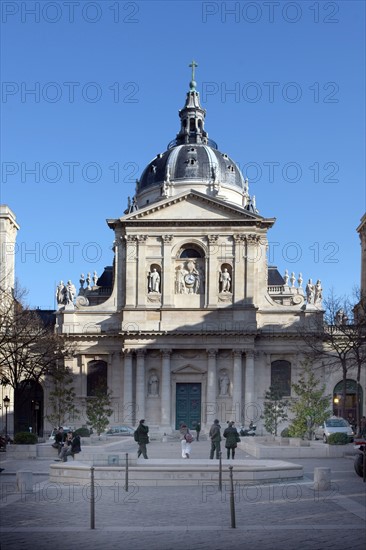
[
  {"x": 237, "y": 385},
  {"x": 211, "y": 403},
  {"x": 131, "y": 272},
  {"x": 140, "y": 384},
  {"x": 249, "y": 382},
  {"x": 239, "y": 272},
  {"x": 212, "y": 277},
  {"x": 127, "y": 383},
  {"x": 166, "y": 389},
  {"x": 167, "y": 275},
  {"x": 141, "y": 271}
]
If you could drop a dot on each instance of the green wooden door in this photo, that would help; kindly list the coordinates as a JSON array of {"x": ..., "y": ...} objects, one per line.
[{"x": 188, "y": 407}]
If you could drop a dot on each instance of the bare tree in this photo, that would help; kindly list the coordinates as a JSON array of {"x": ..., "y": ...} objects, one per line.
[
  {"x": 29, "y": 347},
  {"x": 338, "y": 340}
]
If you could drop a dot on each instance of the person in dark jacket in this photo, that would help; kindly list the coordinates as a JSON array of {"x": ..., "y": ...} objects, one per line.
[
  {"x": 215, "y": 436},
  {"x": 60, "y": 437},
  {"x": 71, "y": 446},
  {"x": 198, "y": 429},
  {"x": 142, "y": 438},
  {"x": 232, "y": 437}
]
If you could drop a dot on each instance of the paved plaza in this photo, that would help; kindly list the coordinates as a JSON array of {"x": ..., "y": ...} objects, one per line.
[{"x": 275, "y": 515}]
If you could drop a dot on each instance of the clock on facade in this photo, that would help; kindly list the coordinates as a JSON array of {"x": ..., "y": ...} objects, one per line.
[{"x": 189, "y": 279}]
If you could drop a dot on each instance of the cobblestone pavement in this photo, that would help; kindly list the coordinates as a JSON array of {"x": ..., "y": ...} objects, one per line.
[{"x": 289, "y": 516}]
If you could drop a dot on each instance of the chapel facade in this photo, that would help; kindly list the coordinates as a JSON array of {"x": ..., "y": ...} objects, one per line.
[{"x": 190, "y": 323}]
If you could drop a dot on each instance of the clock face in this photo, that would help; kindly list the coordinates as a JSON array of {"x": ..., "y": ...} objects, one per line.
[{"x": 189, "y": 279}]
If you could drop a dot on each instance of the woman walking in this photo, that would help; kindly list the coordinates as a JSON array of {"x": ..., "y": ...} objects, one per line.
[
  {"x": 186, "y": 440},
  {"x": 232, "y": 439}
]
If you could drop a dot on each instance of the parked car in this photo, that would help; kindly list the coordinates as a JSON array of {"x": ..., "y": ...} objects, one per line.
[
  {"x": 120, "y": 430},
  {"x": 66, "y": 429},
  {"x": 333, "y": 425}
]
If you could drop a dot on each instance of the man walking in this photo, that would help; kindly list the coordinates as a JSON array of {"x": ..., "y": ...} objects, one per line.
[
  {"x": 215, "y": 436},
  {"x": 142, "y": 438},
  {"x": 198, "y": 429}
]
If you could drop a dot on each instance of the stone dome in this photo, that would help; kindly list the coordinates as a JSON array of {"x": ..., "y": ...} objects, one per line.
[
  {"x": 199, "y": 163},
  {"x": 192, "y": 161}
]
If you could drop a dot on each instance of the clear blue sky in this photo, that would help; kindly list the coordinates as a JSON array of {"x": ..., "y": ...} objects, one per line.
[{"x": 109, "y": 78}]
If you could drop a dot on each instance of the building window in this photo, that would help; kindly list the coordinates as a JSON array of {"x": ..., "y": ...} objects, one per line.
[
  {"x": 96, "y": 377},
  {"x": 281, "y": 376},
  {"x": 190, "y": 253}
]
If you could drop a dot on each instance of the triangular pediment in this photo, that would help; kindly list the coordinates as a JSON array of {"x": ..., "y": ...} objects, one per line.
[
  {"x": 187, "y": 369},
  {"x": 192, "y": 205}
]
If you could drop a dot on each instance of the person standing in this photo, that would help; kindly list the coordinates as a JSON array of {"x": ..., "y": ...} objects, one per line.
[
  {"x": 142, "y": 438},
  {"x": 185, "y": 440},
  {"x": 232, "y": 437},
  {"x": 363, "y": 426},
  {"x": 215, "y": 436},
  {"x": 198, "y": 429}
]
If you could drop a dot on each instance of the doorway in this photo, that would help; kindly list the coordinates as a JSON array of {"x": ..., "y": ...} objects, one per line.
[{"x": 188, "y": 405}]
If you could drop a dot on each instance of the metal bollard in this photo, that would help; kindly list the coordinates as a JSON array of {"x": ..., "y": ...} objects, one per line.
[
  {"x": 232, "y": 499},
  {"x": 126, "y": 474},
  {"x": 92, "y": 499},
  {"x": 220, "y": 472}
]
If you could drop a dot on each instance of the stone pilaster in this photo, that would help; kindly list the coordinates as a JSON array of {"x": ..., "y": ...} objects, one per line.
[
  {"x": 211, "y": 404},
  {"x": 166, "y": 389},
  {"x": 127, "y": 380},
  {"x": 131, "y": 270},
  {"x": 237, "y": 384},
  {"x": 212, "y": 277},
  {"x": 167, "y": 275},
  {"x": 239, "y": 272},
  {"x": 141, "y": 271},
  {"x": 249, "y": 378},
  {"x": 253, "y": 252},
  {"x": 140, "y": 384}
]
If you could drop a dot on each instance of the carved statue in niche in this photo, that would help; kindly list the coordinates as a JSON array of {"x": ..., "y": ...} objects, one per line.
[
  {"x": 225, "y": 280},
  {"x": 153, "y": 384},
  {"x": 154, "y": 281},
  {"x": 188, "y": 278},
  {"x": 179, "y": 280},
  {"x": 224, "y": 384}
]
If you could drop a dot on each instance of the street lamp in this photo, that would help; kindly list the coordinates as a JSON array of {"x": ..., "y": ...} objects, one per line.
[
  {"x": 36, "y": 409},
  {"x": 6, "y": 402}
]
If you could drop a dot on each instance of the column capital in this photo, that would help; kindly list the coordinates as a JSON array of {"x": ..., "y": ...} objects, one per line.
[
  {"x": 167, "y": 239},
  {"x": 249, "y": 353},
  {"x": 252, "y": 238},
  {"x": 141, "y": 239},
  {"x": 130, "y": 238},
  {"x": 166, "y": 352},
  {"x": 128, "y": 352},
  {"x": 239, "y": 237},
  {"x": 212, "y": 239},
  {"x": 141, "y": 352},
  {"x": 212, "y": 352},
  {"x": 237, "y": 352}
]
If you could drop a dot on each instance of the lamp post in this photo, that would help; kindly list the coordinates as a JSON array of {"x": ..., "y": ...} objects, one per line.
[
  {"x": 36, "y": 407},
  {"x": 6, "y": 402}
]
